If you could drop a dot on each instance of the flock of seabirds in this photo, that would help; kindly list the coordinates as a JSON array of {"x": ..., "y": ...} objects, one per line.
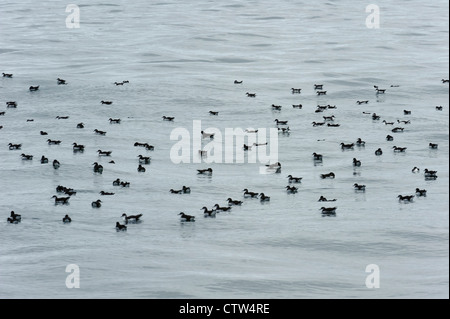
[{"x": 65, "y": 193}]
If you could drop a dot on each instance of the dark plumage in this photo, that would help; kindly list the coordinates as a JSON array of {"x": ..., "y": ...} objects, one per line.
[
  {"x": 61, "y": 200},
  {"x": 421, "y": 192},
  {"x": 98, "y": 168},
  {"x": 291, "y": 189},
  {"x": 324, "y": 199},
  {"x": 293, "y": 179},
  {"x": 234, "y": 202},
  {"x": 96, "y": 204},
  {"x": 221, "y": 208},
  {"x": 186, "y": 218},
  {"x": 329, "y": 175},
  {"x": 56, "y": 164},
  {"x": 207, "y": 171},
  {"x": 328, "y": 210},
  {"x": 131, "y": 218},
  {"x": 317, "y": 157},
  {"x": 406, "y": 198},
  {"x": 120, "y": 227},
  {"x": 347, "y": 146},
  {"x": 247, "y": 193}
]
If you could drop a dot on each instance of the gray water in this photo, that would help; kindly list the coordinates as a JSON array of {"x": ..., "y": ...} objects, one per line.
[{"x": 181, "y": 59}]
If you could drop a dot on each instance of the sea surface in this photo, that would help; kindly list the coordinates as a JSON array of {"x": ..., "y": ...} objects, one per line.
[{"x": 181, "y": 59}]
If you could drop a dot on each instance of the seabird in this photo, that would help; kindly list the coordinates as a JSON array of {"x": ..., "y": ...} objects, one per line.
[
  {"x": 14, "y": 146},
  {"x": 421, "y": 192},
  {"x": 359, "y": 187},
  {"x": 120, "y": 227},
  {"x": 207, "y": 171},
  {"x": 56, "y": 164},
  {"x": 329, "y": 175},
  {"x": 399, "y": 149},
  {"x": 276, "y": 107},
  {"x": 294, "y": 179},
  {"x": 78, "y": 147},
  {"x": 360, "y": 142},
  {"x": 280, "y": 122},
  {"x": 234, "y": 202},
  {"x": 328, "y": 210},
  {"x": 323, "y": 199},
  {"x": 406, "y": 198},
  {"x": 96, "y": 204},
  {"x": 131, "y": 218},
  {"x": 187, "y": 218},
  {"x": 317, "y": 157},
  {"x": 16, "y": 217},
  {"x": 379, "y": 91},
  {"x": 291, "y": 189},
  {"x": 247, "y": 193},
  {"x": 347, "y": 146},
  {"x": 61, "y": 200},
  {"x": 98, "y": 168},
  {"x": 66, "y": 219},
  {"x": 53, "y": 142},
  {"x": 104, "y": 153},
  {"x": 433, "y": 146},
  {"x": 221, "y": 208},
  {"x": 356, "y": 162},
  {"x": 103, "y": 193},
  {"x": 186, "y": 190},
  {"x": 99, "y": 132},
  {"x": 114, "y": 121},
  {"x": 26, "y": 157}
]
